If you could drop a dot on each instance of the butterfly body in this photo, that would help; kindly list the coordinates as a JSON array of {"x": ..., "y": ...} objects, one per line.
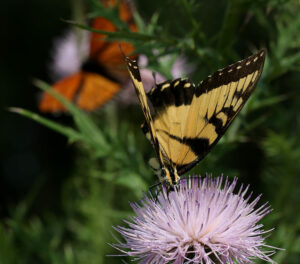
[{"x": 189, "y": 120}]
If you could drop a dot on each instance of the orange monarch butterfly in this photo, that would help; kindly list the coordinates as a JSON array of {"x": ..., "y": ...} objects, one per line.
[
  {"x": 189, "y": 119},
  {"x": 100, "y": 76}
]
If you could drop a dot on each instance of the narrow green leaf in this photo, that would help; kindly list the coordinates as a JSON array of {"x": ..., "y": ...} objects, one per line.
[
  {"x": 128, "y": 35},
  {"x": 70, "y": 133},
  {"x": 90, "y": 132}
]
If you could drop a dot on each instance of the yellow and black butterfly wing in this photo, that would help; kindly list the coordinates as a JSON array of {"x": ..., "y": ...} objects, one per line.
[
  {"x": 139, "y": 88},
  {"x": 190, "y": 120}
]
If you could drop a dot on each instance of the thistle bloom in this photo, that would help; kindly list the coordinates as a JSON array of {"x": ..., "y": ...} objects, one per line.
[
  {"x": 201, "y": 221},
  {"x": 68, "y": 54}
]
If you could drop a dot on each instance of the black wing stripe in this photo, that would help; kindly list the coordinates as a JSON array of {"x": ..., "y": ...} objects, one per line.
[
  {"x": 194, "y": 143},
  {"x": 178, "y": 92}
]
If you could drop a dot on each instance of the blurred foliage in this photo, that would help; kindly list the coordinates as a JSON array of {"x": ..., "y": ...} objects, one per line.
[{"x": 110, "y": 169}]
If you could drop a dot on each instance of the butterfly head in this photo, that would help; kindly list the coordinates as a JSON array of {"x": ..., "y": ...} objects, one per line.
[
  {"x": 170, "y": 175},
  {"x": 167, "y": 173}
]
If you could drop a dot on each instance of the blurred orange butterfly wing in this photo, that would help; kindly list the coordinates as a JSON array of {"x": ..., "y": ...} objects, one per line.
[
  {"x": 90, "y": 89},
  {"x": 108, "y": 53},
  {"x": 96, "y": 90},
  {"x": 67, "y": 87}
]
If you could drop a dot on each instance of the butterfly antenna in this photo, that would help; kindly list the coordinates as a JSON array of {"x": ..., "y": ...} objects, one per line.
[
  {"x": 154, "y": 185},
  {"x": 167, "y": 188},
  {"x": 123, "y": 54},
  {"x": 154, "y": 77},
  {"x": 155, "y": 193}
]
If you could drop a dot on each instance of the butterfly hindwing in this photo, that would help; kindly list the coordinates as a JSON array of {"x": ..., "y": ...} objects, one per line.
[{"x": 190, "y": 120}]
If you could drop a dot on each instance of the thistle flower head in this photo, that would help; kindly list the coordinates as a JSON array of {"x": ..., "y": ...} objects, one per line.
[{"x": 201, "y": 221}]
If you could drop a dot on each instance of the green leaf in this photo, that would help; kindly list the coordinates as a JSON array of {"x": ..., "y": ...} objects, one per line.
[
  {"x": 90, "y": 133},
  {"x": 70, "y": 133}
]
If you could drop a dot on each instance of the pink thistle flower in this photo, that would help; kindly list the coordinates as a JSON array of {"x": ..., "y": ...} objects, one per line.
[
  {"x": 181, "y": 67},
  {"x": 201, "y": 221},
  {"x": 68, "y": 54}
]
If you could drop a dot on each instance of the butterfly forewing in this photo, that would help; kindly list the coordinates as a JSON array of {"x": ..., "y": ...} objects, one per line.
[
  {"x": 190, "y": 120},
  {"x": 139, "y": 88}
]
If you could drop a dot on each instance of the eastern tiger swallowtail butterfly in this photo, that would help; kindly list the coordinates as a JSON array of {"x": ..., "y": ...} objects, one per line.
[
  {"x": 100, "y": 76},
  {"x": 188, "y": 120}
]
